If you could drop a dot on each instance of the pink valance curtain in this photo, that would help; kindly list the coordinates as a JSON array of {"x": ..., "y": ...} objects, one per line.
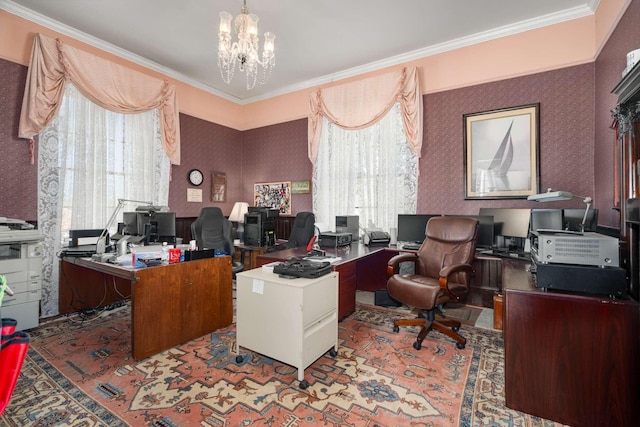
[
  {"x": 107, "y": 84},
  {"x": 360, "y": 104}
]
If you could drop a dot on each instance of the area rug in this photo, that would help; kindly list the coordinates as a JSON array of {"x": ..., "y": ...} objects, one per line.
[{"x": 83, "y": 375}]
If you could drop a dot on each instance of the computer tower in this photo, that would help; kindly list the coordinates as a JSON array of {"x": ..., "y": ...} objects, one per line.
[
  {"x": 348, "y": 224},
  {"x": 259, "y": 230}
]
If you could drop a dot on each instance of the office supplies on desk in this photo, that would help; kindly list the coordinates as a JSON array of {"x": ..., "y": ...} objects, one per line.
[
  {"x": 376, "y": 237},
  {"x": 297, "y": 267}
]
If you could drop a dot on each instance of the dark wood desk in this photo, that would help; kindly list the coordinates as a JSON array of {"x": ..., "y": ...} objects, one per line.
[
  {"x": 248, "y": 254},
  {"x": 170, "y": 304},
  {"x": 364, "y": 268},
  {"x": 570, "y": 358}
]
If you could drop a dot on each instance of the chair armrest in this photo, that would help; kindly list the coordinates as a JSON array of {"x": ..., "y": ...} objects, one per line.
[
  {"x": 448, "y": 271},
  {"x": 393, "y": 265}
]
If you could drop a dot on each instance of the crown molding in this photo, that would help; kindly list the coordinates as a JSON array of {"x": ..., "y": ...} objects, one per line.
[{"x": 519, "y": 27}]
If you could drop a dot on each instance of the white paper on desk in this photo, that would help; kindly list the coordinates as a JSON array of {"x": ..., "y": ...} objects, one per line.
[
  {"x": 258, "y": 286},
  {"x": 329, "y": 259}
]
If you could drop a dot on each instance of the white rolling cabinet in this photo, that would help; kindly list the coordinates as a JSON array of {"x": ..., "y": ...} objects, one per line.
[
  {"x": 21, "y": 265},
  {"x": 294, "y": 321}
]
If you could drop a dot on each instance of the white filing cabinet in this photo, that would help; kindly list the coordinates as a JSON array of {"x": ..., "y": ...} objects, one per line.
[
  {"x": 21, "y": 265},
  {"x": 294, "y": 321}
]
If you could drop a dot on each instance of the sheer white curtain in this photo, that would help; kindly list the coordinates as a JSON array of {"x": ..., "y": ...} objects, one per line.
[
  {"x": 87, "y": 159},
  {"x": 371, "y": 172}
]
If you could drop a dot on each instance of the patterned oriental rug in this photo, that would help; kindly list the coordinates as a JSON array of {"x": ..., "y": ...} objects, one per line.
[{"x": 83, "y": 375}]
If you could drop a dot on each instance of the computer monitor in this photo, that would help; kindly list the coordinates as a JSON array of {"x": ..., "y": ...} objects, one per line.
[
  {"x": 485, "y": 230},
  {"x": 130, "y": 221},
  {"x": 412, "y": 227},
  {"x": 509, "y": 223},
  {"x": 549, "y": 219},
  {"x": 157, "y": 227},
  {"x": 573, "y": 219}
]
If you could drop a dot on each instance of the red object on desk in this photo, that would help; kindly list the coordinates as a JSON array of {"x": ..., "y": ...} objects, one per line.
[
  {"x": 174, "y": 255},
  {"x": 311, "y": 242}
]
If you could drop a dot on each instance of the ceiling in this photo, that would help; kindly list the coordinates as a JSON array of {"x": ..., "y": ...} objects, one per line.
[{"x": 316, "y": 41}]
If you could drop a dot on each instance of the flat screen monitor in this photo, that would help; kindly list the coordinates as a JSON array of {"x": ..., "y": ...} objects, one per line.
[
  {"x": 157, "y": 226},
  {"x": 549, "y": 219},
  {"x": 485, "y": 230},
  {"x": 412, "y": 227},
  {"x": 509, "y": 222},
  {"x": 130, "y": 221},
  {"x": 573, "y": 219}
]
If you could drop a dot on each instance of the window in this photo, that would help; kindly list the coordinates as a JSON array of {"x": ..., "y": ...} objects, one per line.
[
  {"x": 370, "y": 172},
  {"x": 88, "y": 158}
]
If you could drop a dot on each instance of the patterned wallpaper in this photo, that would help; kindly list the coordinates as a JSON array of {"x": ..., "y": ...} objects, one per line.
[
  {"x": 566, "y": 136},
  {"x": 210, "y": 148},
  {"x": 574, "y": 106},
  {"x": 18, "y": 185}
]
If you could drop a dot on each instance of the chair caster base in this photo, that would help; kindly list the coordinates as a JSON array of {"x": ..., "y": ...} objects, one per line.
[
  {"x": 396, "y": 329},
  {"x": 417, "y": 345},
  {"x": 333, "y": 352},
  {"x": 304, "y": 384},
  {"x": 239, "y": 359},
  {"x": 460, "y": 345}
]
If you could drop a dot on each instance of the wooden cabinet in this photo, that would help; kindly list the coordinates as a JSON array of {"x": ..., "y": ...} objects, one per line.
[
  {"x": 627, "y": 181},
  {"x": 572, "y": 358}
]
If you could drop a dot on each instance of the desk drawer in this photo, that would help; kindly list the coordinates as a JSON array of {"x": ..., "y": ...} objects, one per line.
[{"x": 21, "y": 298}]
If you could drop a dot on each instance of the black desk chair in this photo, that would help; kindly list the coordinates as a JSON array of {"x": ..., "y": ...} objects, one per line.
[
  {"x": 302, "y": 231},
  {"x": 212, "y": 230}
]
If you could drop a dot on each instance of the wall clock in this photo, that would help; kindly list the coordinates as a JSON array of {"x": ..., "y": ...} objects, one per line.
[{"x": 195, "y": 177}]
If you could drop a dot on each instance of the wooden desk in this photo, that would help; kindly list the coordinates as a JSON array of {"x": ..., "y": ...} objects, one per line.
[
  {"x": 249, "y": 254},
  {"x": 170, "y": 304},
  {"x": 362, "y": 267},
  {"x": 570, "y": 358}
]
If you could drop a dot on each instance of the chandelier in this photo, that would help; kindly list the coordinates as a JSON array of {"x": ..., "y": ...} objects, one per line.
[{"x": 244, "y": 52}]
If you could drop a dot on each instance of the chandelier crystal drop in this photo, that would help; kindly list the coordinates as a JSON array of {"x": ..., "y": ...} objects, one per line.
[{"x": 244, "y": 51}]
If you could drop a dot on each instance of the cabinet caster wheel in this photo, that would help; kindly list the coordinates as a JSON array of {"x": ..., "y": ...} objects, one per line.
[
  {"x": 460, "y": 345},
  {"x": 455, "y": 328},
  {"x": 417, "y": 345},
  {"x": 396, "y": 329},
  {"x": 239, "y": 359},
  {"x": 333, "y": 352},
  {"x": 304, "y": 384}
]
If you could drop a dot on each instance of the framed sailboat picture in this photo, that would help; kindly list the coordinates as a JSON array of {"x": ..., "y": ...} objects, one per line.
[{"x": 501, "y": 153}]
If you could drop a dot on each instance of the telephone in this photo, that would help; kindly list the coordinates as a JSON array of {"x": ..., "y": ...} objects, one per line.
[{"x": 376, "y": 237}]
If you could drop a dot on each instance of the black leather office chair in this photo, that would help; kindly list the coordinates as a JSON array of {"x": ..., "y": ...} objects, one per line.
[
  {"x": 302, "y": 231},
  {"x": 212, "y": 230},
  {"x": 443, "y": 266}
]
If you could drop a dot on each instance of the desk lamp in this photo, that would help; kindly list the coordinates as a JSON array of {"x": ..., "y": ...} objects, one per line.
[
  {"x": 237, "y": 215},
  {"x": 102, "y": 239},
  {"x": 554, "y": 195}
]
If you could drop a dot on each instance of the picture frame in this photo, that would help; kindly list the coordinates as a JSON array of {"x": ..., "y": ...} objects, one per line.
[
  {"x": 276, "y": 195},
  {"x": 301, "y": 187},
  {"x": 218, "y": 187},
  {"x": 501, "y": 153}
]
